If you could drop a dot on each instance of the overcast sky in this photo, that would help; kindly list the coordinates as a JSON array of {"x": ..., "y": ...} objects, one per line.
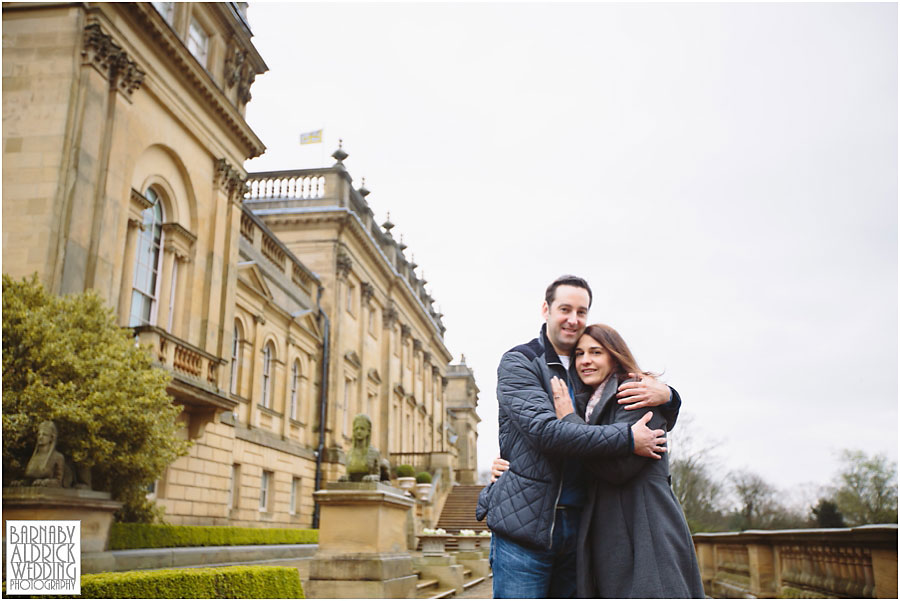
[{"x": 725, "y": 176}]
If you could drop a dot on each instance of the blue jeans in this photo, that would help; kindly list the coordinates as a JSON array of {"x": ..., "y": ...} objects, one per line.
[{"x": 524, "y": 573}]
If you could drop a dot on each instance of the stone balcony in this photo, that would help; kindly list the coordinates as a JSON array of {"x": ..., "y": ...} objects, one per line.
[
  {"x": 196, "y": 376},
  {"x": 832, "y": 563}
]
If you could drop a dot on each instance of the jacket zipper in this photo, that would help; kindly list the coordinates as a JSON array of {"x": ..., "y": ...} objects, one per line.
[{"x": 562, "y": 477}]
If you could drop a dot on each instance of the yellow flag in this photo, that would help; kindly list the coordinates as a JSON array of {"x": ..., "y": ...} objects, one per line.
[{"x": 311, "y": 137}]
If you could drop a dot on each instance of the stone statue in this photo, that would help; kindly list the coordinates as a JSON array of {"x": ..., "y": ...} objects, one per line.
[
  {"x": 364, "y": 463},
  {"x": 47, "y": 466}
]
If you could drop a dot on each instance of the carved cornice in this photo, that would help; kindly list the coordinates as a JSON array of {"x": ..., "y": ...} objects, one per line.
[
  {"x": 198, "y": 79},
  {"x": 352, "y": 358},
  {"x": 344, "y": 264},
  {"x": 245, "y": 80},
  {"x": 179, "y": 241},
  {"x": 234, "y": 61},
  {"x": 389, "y": 316},
  {"x": 367, "y": 291},
  {"x": 100, "y": 51},
  {"x": 230, "y": 180}
]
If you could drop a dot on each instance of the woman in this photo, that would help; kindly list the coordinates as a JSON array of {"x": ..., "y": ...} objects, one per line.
[{"x": 633, "y": 540}]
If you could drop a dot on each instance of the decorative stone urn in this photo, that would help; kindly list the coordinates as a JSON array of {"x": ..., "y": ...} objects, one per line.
[
  {"x": 467, "y": 543},
  {"x": 406, "y": 483},
  {"x": 433, "y": 544},
  {"x": 422, "y": 490}
]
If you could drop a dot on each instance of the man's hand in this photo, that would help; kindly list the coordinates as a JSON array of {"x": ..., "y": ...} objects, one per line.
[
  {"x": 646, "y": 391},
  {"x": 498, "y": 467},
  {"x": 562, "y": 401},
  {"x": 647, "y": 442}
]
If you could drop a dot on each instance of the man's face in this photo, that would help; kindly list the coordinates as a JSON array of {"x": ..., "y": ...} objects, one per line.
[{"x": 566, "y": 317}]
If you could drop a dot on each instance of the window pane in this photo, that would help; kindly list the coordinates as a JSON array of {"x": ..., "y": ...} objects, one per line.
[{"x": 198, "y": 42}]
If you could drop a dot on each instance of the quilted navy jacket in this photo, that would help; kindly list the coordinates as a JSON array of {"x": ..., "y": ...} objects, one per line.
[{"x": 521, "y": 504}]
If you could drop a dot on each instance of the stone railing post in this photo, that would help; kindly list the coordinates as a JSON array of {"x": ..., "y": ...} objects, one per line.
[{"x": 762, "y": 570}]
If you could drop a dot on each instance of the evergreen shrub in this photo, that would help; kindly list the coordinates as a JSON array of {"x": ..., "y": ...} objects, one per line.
[
  {"x": 232, "y": 582},
  {"x": 423, "y": 478},
  {"x": 405, "y": 471},
  {"x": 156, "y": 536}
]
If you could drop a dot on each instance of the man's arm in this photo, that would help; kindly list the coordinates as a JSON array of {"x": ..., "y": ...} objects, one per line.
[
  {"x": 524, "y": 402},
  {"x": 646, "y": 391}
]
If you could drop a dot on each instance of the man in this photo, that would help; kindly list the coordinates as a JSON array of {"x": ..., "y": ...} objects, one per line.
[{"x": 533, "y": 510}]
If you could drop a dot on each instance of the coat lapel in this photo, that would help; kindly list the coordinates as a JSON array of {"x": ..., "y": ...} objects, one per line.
[{"x": 609, "y": 395}]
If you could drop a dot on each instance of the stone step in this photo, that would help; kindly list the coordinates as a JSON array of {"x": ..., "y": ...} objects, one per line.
[
  {"x": 424, "y": 584},
  {"x": 472, "y": 583},
  {"x": 446, "y": 594}
]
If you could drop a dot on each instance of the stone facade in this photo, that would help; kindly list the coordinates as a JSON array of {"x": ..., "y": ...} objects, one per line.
[
  {"x": 462, "y": 405},
  {"x": 123, "y": 143},
  {"x": 388, "y": 358}
]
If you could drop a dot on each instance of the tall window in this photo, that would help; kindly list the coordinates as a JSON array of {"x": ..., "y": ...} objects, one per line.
[
  {"x": 295, "y": 496},
  {"x": 351, "y": 293},
  {"x": 266, "y": 399},
  {"x": 295, "y": 386},
  {"x": 234, "y": 494},
  {"x": 198, "y": 42},
  {"x": 147, "y": 264},
  {"x": 348, "y": 384},
  {"x": 265, "y": 490},
  {"x": 235, "y": 357}
]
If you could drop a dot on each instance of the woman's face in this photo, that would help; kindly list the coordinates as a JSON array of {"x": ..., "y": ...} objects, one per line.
[{"x": 592, "y": 362}]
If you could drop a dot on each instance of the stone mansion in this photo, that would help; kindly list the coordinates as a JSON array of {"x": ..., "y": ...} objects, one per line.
[{"x": 279, "y": 305}]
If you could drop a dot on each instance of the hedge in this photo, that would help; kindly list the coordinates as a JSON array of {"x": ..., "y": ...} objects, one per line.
[
  {"x": 156, "y": 536},
  {"x": 233, "y": 582}
]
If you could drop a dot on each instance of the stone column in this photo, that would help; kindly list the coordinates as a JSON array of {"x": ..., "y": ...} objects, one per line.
[{"x": 131, "y": 238}]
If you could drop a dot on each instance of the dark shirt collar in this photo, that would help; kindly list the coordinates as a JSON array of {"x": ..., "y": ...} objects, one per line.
[{"x": 549, "y": 352}]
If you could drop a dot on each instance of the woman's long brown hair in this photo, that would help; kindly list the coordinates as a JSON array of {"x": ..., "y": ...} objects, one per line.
[{"x": 615, "y": 345}]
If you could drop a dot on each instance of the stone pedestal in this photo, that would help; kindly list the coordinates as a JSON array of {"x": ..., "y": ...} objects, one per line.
[
  {"x": 94, "y": 509},
  {"x": 362, "y": 544},
  {"x": 442, "y": 568}
]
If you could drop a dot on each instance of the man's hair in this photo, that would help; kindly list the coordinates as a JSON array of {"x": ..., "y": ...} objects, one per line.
[{"x": 567, "y": 280}]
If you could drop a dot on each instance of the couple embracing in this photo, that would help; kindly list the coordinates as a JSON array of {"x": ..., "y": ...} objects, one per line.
[{"x": 582, "y": 503}]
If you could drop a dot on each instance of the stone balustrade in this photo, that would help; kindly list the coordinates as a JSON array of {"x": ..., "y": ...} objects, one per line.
[
  {"x": 834, "y": 562},
  {"x": 179, "y": 356},
  {"x": 282, "y": 185},
  {"x": 275, "y": 252}
]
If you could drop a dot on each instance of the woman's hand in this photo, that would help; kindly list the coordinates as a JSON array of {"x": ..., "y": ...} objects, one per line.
[
  {"x": 561, "y": 399},
  {"x": 498, "y": 467}
]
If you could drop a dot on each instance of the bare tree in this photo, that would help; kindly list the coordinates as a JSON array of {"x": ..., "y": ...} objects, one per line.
[
  {"x": 692, "y": 466},
  {"x": 866, "y": 490}
]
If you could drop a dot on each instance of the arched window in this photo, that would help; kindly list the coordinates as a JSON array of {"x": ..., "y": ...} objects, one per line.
[
  {"x": 295, "y": 387},
  {"x": 145, "y": 289},
  {"x": 236, "y": 357},
  {"x": 266, "y": 400}
]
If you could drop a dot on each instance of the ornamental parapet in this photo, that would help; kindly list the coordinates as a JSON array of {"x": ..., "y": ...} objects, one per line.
[
  {"x": 816, "y": 563},
  {"x": 196, "y": 374}
]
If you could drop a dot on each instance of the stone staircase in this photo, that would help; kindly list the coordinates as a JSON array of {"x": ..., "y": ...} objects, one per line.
[
  {"x": 459, "y": 512},
  {"x": 430, "y": 588}
]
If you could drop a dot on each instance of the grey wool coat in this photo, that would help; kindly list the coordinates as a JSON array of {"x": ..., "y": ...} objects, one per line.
[{"x": 633, "y": 540}]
